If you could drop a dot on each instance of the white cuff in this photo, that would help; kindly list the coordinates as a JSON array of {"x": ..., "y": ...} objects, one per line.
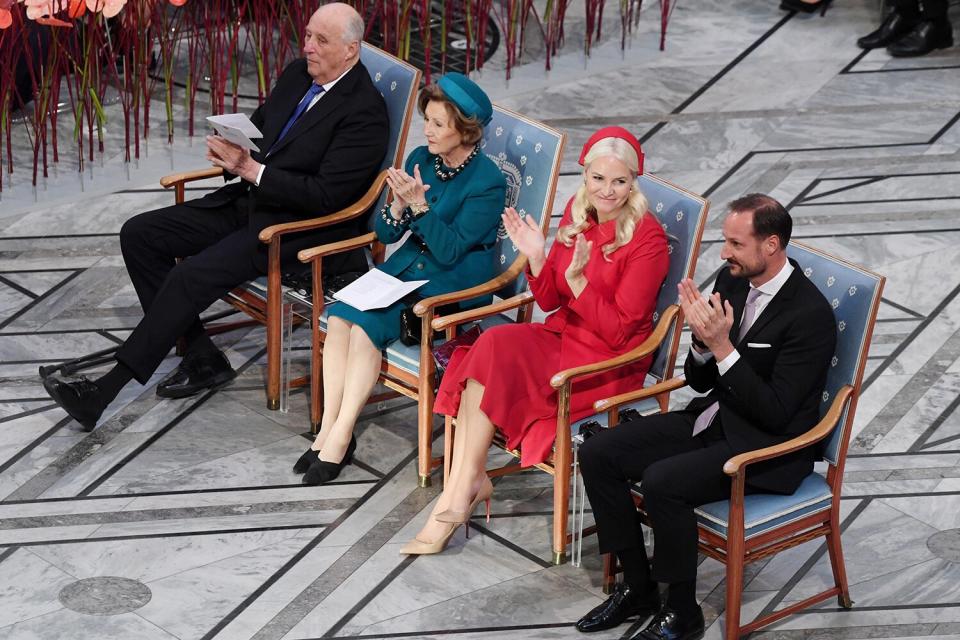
[
  {"x": 259, "y": 175},
  {"x": 724, "y": 365},
  {"x": 701, "y": 358}
]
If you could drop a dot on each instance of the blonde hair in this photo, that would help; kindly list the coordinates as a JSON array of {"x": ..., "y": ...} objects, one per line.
[{"x": 633, "y": 210}]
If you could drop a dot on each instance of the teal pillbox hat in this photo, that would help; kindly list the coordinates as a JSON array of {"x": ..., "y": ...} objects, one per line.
[{"x": 467, "y": 95}]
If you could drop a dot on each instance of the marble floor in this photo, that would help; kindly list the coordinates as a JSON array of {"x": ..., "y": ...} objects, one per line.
[{"x": 182, "y": 518}]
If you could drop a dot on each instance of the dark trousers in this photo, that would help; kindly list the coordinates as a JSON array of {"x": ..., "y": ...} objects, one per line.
[
  {"x": 221, "y": 253},
  {"x": 677, "y": 473},
  {"x": 928, "y": 9}
]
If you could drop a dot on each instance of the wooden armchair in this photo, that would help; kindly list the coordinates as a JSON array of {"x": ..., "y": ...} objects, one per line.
[
  {"x": 744, "y": 529},
  {"x": 683, "y": 216},
  {"x": 260, "y": 299},
  {"x": 528, "y": 153}
]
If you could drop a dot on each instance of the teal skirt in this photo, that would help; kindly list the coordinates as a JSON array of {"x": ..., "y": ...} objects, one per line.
[{"x": 382, "y": 326}]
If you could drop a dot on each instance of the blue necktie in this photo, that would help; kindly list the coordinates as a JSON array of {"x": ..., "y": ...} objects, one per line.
[{"x": 312, "y": 92}]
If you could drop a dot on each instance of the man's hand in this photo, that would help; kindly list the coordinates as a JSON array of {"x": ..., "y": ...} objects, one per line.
[
  {"x": 710, "y": 320},
  {"x": 232, "y": 158}
]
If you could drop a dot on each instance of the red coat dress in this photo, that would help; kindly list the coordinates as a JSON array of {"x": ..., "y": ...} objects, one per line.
[{"x": 613, "y": 314}]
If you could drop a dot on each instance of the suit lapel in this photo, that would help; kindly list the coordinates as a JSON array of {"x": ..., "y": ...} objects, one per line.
[
  {"x": 738, "y": 299},
  {"x": 780, "y": 302},
  {"x": 326, "y": 105}
]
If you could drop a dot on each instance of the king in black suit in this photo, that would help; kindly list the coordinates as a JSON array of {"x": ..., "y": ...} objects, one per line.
[
  {"x": 764, "y": 388},
  {"x": 325, "y": 133}
]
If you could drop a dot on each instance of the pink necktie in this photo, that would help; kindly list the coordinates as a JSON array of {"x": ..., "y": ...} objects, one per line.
[{"x": 749, "y": 314}]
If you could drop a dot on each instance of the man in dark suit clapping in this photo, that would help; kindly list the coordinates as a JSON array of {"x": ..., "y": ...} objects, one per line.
[
  {"x": 762, "y": 344},
  {"x": 325, "y": 134}
]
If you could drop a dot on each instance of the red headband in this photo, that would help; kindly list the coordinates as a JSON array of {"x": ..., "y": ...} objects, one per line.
[{"x": 614, "y": 132}]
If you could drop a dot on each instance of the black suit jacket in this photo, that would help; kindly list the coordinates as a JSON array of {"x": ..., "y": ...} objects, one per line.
[
  {"x": 326, "y": 161},
  {"x": 773, "y": 392}
]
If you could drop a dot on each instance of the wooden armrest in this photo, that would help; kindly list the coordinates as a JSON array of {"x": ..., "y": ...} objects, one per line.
[
  {"x": 666, "y": 386},
  {"x": 348, "y": 213},
  {"x": 736, "y": 464},
  {"x": 190, "y": 176},
  {"x": 315, "y": 253},
  {"x": 494, "y": 284},
  {"x": 471, "y": 315},
  {"x": 644, "y": 349}
]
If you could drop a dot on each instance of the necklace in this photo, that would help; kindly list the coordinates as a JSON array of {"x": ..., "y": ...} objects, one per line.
[{"x": 453, "y": 173}]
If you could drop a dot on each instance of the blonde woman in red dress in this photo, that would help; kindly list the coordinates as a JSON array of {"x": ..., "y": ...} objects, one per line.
[{"x": 600, "y": 280}]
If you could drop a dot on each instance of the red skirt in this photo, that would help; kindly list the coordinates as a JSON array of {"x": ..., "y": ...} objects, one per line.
[{"x": 514, "y": 364}]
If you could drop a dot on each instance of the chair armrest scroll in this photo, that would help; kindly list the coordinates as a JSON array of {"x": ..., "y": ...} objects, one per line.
[
  {"x": 821, "y": 430},
  {"x": 315, "y": 253},
  {"x": 190, "y": 176},
  {"x": 642, "y": 350},
  {"x": 471, "y": 315},
  {"x": 347, "y": 213}
]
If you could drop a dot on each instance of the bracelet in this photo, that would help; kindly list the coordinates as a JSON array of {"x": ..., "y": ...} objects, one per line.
[
  {"x": 387, "y": 217},
  {"x": 418, "y": 209}
]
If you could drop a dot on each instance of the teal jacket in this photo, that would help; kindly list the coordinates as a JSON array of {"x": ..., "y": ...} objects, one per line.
[{"x": 453, "y": 245}]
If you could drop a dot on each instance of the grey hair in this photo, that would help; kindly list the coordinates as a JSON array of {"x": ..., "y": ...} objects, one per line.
[{"x": 353, "y": 29}]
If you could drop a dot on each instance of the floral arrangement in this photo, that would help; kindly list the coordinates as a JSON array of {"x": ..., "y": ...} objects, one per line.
[{"x": 131, "y": 48}]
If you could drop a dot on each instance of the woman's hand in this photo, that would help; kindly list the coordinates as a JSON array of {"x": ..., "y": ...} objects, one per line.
[
  {"x": 574, "y": 272},
  {"x": 525, "y": 234},
  {"x": 407, "y": 190}
]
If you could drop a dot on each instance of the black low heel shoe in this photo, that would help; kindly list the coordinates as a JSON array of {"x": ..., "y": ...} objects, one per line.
[
  {"x": 805, "y": 7},
  {"x": 301, "y": 465},
  {"x": 321, "y": 472}
]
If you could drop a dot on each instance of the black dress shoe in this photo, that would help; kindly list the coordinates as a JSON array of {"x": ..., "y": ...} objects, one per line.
[
  {"x": 622, "y": 604},
  {"x": 196, "y": 373},
  {"x": 804, "y": 7},
  {"x": 670, "y": 625},
  {"x": 321, "y": 471},
  {"x": 893, "y": 27},
  {"x": 304, "y": 462},
  {"x": 924, "y": 38},
  {"x": 80, "y": 398}
]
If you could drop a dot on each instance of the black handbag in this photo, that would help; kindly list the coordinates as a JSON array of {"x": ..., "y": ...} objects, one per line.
[{"x": 411, "y": 325}]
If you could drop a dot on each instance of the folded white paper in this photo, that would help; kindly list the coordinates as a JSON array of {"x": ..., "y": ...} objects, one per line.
[
  {"x": 376, "y": 290},
  {"x": 237, "y": 128}
]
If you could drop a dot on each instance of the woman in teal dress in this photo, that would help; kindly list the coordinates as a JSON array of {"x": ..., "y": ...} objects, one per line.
[{"x": 449, "y": 197}]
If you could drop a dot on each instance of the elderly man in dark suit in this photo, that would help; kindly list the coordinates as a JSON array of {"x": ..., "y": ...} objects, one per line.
[
  {"x": 762, "y": 343},
  {"x": 325, "y": 134}
]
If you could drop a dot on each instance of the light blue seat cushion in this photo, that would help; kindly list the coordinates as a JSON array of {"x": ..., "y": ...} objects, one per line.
[{"x": 764, "y": 511}]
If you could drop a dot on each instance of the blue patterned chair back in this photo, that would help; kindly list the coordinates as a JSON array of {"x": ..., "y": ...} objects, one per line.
[
  {"x": 398, "y": 83},
  {"x": 854, "y": 294},
  {"x": 528, "y": 153},
  {"x": 683, "y": 216}
]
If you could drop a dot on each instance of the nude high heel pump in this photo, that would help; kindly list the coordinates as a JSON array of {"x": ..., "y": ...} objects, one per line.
[
  {"x": 461, "y": 517},
  {"x": 418, "y": 547}
]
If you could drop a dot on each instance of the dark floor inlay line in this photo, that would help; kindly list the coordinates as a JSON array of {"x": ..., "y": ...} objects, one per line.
[
  {"x": 36, "y": 301},
  {"x": 238, "y": 510},
  {"x": 511, "y": 545},
  {"x": 848, "y": 187},
  {"x": 169, "y": 534},
  {"x": 163, "y": 431},
  {"x": 22, "y": 453},
  {"x": 369, "y": 596},
  {"x": 16, "y": 287},
  {"x": 310, "y": 546},
  {"x": 450, "y": 632},
  {"x": 807, "y": 202}
]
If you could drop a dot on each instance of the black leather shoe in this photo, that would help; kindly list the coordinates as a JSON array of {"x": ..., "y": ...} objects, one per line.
[
  {"x": 196, "y": 373},
  {"x": 80, "y": 398},
  {"x": 669, "y": 625},
  {"x": 893, "y": 27},
  {"x": 805, "y": 7},
  {"x": 304, "y": 462},
  {"x": 924, "y": 38},
  {"x": 321, "y": 471},
  {"x": 622, "y": 604}
]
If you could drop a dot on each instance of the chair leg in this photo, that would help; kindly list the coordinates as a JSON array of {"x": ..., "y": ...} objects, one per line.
[
  {"x": 561, "y": 515},
  {"x": 448, "y": 436},
  {"x": 835, "y": 550},
  {"x": 274, "y": 322},
  {"x": 609, "y": 572},
  {"x": 424, "y": 434},
  {"x": 734, "y": 591}
]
